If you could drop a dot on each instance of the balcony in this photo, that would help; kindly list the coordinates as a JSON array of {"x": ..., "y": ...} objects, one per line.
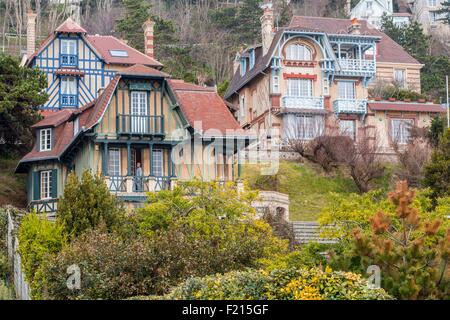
[
  {"x": 69, "y": 100},
  {"x": 357, "y": 66},
  {"x": 47, "y": 206},
  {"x": 303, "y": 102},
  {"x": 138, "y": 186},
  {"x": 68, "y": 60},
  {"x": 350, "y": 106},
  {"x": 140, "y": 125}
]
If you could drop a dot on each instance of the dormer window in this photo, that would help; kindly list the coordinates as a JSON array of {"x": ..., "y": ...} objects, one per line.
[
  {"x": 76, "y": 126},
  {"x": 45, "y": 139},
  {"x": 68, "y": 53},
  {"x": 252, "y": 58},
  {"x": 243, "y": 66},
  {"x": 298, "y": 52}
]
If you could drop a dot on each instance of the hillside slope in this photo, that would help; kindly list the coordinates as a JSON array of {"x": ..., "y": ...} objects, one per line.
[
  {"x": 308, "y": 187},
  {"x": 12, "y": 186}
]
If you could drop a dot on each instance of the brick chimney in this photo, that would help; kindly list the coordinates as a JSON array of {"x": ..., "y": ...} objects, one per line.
[
  {"x": 31, "y": 32},
  {"x": 148, "y": 33},
  {"x": 355, "y": 27},
  {"x": 267, "y": 26}
]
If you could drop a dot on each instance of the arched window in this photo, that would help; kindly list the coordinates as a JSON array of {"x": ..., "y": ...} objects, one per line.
[{"x": 298, "y": 52}]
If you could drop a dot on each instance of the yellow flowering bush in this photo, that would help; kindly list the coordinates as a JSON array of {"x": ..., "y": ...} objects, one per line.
[{"x": 278, "y": 284}]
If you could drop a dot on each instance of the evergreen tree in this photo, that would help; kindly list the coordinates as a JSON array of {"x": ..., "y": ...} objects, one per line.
[
  {"x": 437, "y": 172},
  {"x": 136, "y": 13},
  {"x": 86, "y": 204},
  {"x": 436, "y": 130},
  {"x": 248, "y": 25},
  {"x": 445, "y": 12},
  {"x": 21, "y": 92}
]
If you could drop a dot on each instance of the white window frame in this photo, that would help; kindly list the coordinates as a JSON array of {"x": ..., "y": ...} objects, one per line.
[
  {"x": 432, "y": 3},
  {"x": 69, "y": 85},
  {"x": 76, "y": 125},
  {"x": 298, "y": 52},
  {"x": 304, "y": 127},
  {"x": 347, "y": 90},
  {"x": 45, "y": 139},
  {"x": 139, "y": 111},
  {"x": 402, "y": 82},
  {"x": 300, "y": 87},
  {"x": 400, "y": 130},
  {"x": 158, "y": 163},
  {"x": 46, "y": 184},
  {"x": 114, "y": 165},
  {"x": 68, "y": 46},
  {"x": 348, "y": 128},
  {"x": 242, "y": 107},
  {"x": 276, "y": 84}
]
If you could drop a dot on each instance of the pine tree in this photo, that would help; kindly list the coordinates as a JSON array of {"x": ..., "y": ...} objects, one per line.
[
  {"x": 445, "y": 12},
  {"x": 437, "y": 172},
  {"x": 136, "y": 13},
  {"x": 21, "y": 92}
]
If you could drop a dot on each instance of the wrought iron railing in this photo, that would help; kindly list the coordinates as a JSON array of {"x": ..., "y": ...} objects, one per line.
[
  {"x": 350, "y": 106},
  {"x": 69, "y": 100},
  {"x": 140, "y": 125},
  {"x": 357, "y": 65},
  {"x": 303, "y": 102},
  {"x": 117, "y": 183},
  {"x": 68, "y": 60}
]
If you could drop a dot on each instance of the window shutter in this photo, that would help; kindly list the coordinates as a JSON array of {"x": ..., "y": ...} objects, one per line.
[
  {"x": 36, "y": 185},
  {"x": 54, "y": 183}
]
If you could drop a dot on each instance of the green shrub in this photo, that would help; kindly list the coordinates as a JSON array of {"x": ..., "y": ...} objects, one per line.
[
  {"x": 278, "y": 284},
  {"x": 39, "y": 238},
  {"x": 86, "y": 204}
]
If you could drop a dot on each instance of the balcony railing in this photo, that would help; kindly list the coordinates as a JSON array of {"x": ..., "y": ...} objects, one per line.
[
  {"x": 138, "y": 184},
  {"x": 69, "y": 100},
  {"x": 140, "y": 125},
  {"x": 68, "y": 60},
  {"x": 303, "y": 102},
  {"x": 350, "y": 106},
  {"x": 357, "y": 65},
  {"x": 47, "y": 206}
]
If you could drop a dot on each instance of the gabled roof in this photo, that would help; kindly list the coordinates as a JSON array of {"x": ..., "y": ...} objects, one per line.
[
  {"x": 205, "y": 106},
  {"x": 53, "y": 119},
  {"x": 406, "y": 107},
  {"x": 70, "y": 26},
  {"x": 143, "y": 71},
  {"x": 388, "y": 50},
  {"x": 102, "y": 46}
]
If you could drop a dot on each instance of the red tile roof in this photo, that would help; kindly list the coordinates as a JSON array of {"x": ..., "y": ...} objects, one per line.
[
  {"x": 53, "y": 119},
  {"x": 140, "y": 70},
  {"x": 388, "y": 50},
  {"x": 101, "y": 103},
  {"x": 407, "y": 107},
  {"x": 205, "y": 106},
  {"x": 70, "y": 26},
  {"x": 103, "y": 44}
]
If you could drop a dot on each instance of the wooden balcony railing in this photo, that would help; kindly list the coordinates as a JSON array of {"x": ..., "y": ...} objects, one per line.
[
  {"x": 303, "y": 102},
  {"x": 140, "y": 125},
  {"x": 68, "y": 60},
  {"x": 138, "y": 184},
  {"x": 69, "y": 100},
  {"x": 357, "y": 65},
  {"x": 350, "y": 106}
]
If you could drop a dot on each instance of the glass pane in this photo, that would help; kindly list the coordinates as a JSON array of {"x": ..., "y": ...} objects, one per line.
[{"x": 157, "y": 163}]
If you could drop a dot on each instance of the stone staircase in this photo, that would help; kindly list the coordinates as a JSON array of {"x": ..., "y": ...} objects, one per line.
[{"x": 308, "y": 231}]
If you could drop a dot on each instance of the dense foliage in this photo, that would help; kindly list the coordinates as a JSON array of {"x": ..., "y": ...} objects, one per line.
[
  {"x": 21, "y": 92},
  {"x": 39, "y": 238},
  {"x": 437, "y": 172},
  {"x": 195, "y": 230},
  {"x": 413, "y": 254},
  {"x": 278, "y": 284},
  {"x": 87, "y": 203}
]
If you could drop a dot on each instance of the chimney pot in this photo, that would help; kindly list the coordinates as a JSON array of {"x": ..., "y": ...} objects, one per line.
[
  {"x": 148, "y": 27},
  {"x": 31, "y": 32}
]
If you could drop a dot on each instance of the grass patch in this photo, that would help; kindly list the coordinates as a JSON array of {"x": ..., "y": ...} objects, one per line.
[
  {"x": 308, "y": 187},
  {"x": 12, "y": 186}
]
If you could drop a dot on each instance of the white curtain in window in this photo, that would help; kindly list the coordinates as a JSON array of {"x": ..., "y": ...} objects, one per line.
[
  {"x": 300, "y": 87},
  {"x": 68, "y": 47},
  {"x": 347, "y": 127},
  {"x": 68, "y": 85},
  {"x": 303, "y": 126},
  {"x": 298, "y": 52},
  {"x": 346, "y": 90},
  {"x": 401, "y": 130}
]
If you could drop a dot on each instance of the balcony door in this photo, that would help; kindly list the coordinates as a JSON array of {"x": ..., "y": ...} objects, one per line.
[
  {"x": 347, "y": 90},
  {"x": 139, "y": 112},
  {"x": 158, "y": 169},
  {"x": 114, "y": 169},
  {"x": 300, "y": 88}
]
